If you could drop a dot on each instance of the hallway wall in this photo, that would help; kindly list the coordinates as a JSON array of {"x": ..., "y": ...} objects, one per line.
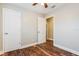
[{"x": 50, "y": 28}]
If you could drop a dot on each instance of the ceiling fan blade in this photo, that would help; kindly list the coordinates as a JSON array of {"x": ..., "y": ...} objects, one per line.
[
  {"x": 34, "y": 4},
  {"x": 45, "y": 4}
]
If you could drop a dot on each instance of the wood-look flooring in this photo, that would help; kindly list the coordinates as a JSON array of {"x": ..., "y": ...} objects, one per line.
[{"x": 44, "y": 49}]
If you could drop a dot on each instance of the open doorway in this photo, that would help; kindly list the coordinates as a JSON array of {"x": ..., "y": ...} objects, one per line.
[{"x": 49, "y": 30}]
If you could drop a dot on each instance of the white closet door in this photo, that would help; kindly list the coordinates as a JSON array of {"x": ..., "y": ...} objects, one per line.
[
  {"x": 11, "y": 29},
  {"x": 41, "y": 30}
]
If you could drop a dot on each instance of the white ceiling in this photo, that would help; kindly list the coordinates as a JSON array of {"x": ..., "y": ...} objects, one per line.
[{"x": 39, "y": 8}]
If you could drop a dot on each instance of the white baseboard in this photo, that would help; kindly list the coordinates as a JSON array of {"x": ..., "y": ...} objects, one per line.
[
  {"x": 30, "y": 45},
  {"x": 2, "y": 52},
  {"x": 40, "y": 42},
  {"x": 67, "y": 49},
  {"x": 24, "y": 46}
]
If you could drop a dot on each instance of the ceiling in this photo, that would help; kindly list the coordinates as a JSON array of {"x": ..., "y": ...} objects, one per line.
[{"x": 39, "y": 8}]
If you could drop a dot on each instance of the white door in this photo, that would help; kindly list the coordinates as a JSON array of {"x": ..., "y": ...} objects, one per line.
[
  {"x": 41, "y": 30},
  {"x": 11, "y": 29}
]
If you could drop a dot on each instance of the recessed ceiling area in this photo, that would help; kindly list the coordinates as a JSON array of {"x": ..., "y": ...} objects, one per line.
[{"x": 40, "y": 8}]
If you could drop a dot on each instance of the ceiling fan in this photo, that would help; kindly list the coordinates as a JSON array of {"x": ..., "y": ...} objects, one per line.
[{"x": 44, "y": 4}]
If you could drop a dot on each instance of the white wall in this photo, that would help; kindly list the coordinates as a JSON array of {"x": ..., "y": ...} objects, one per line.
[
  {"x": 29, "y": 24},
  {"x": 29, "y": 28},
  {"x": 66, "y": 31}
]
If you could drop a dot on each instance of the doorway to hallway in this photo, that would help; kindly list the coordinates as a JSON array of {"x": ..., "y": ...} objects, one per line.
[{"x": 49, "y": 30}]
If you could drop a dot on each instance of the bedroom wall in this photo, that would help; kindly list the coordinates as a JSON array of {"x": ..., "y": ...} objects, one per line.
[
  {"x": 28, "y": 24},
  {"x": 29, "y": 28},
  {"x": 66, "y": 31}
]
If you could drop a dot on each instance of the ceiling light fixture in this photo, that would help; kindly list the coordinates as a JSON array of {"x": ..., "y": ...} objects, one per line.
[
  {"x": 53, "y": 6},
  {"x": 42, "y": 4}
]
